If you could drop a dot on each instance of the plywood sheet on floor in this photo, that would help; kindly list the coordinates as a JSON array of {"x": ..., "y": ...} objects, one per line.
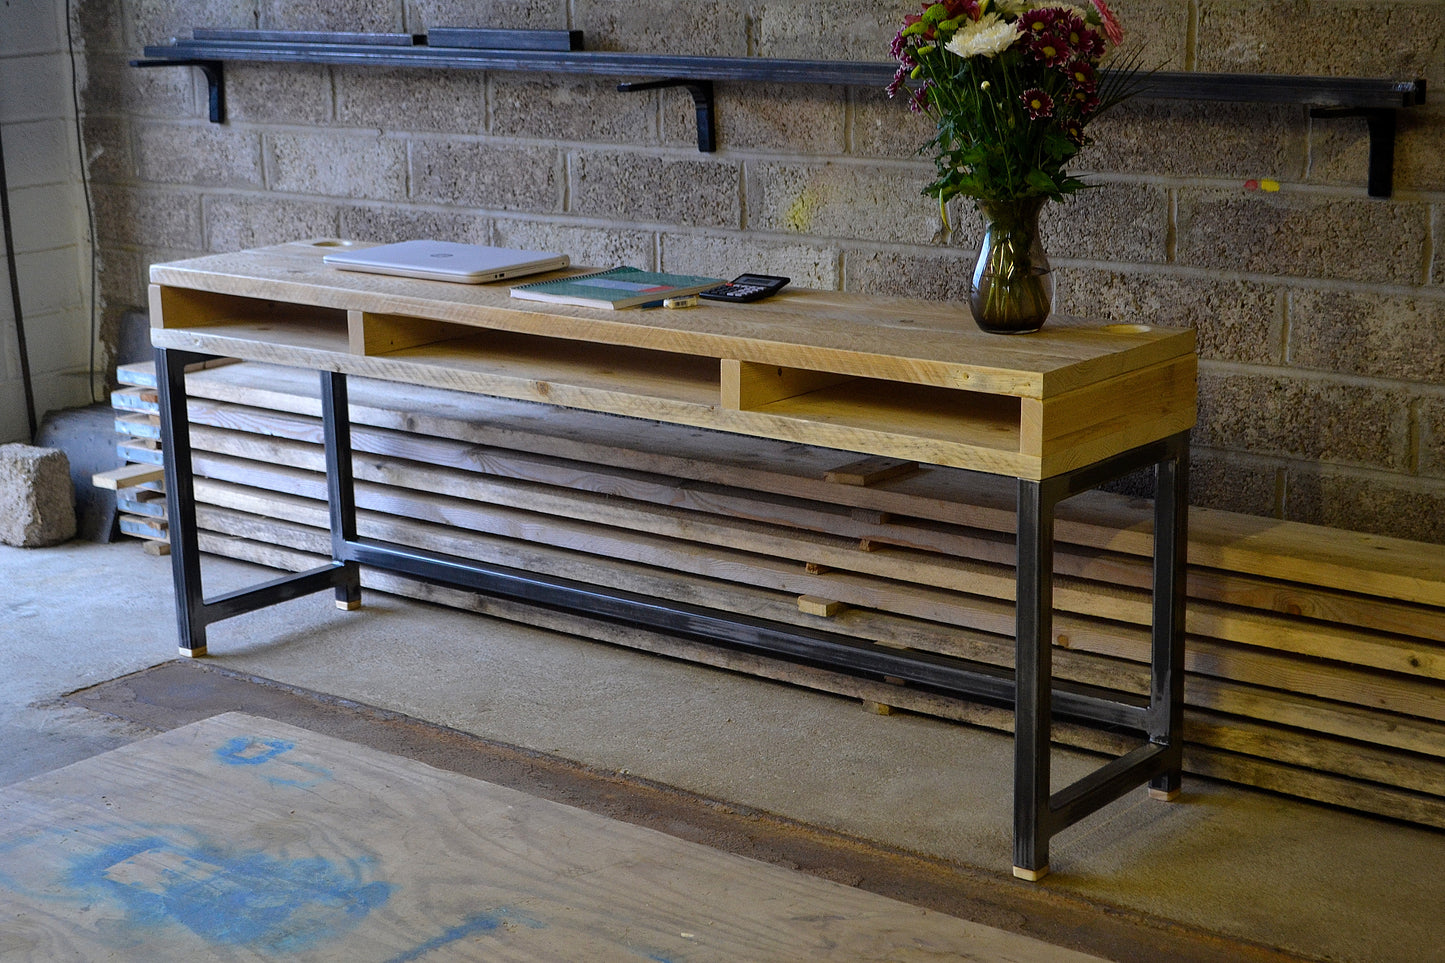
[{"x": 244, "y": 838}]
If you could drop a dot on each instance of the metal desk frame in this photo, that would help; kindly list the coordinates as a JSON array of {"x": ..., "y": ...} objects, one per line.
[{"x": 1037, "y": 698}]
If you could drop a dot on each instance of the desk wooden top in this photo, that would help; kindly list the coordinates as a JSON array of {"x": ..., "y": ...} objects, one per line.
[{"x": 797, "y": 356}]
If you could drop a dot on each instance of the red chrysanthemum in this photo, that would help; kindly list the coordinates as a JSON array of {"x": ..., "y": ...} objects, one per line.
[
  {"x": 1038, "y": 103},
  {"x": 1036, "y": 22},
  {"x": 1083, "y": 76},
  {"x": 1050, "y": 48}
]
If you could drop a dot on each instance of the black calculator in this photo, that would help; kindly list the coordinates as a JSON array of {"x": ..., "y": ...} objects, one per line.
[{"x": 746, "y": 287}]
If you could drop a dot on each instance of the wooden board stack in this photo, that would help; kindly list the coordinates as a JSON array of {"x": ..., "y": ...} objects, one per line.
[{"x": 1316, "y": 657}]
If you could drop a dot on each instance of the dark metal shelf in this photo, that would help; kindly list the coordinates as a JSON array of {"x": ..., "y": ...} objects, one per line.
[{"x": 1327, "y": 97}]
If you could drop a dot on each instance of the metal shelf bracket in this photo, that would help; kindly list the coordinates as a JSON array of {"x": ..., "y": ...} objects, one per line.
[
  {"x": 701, "y": 91},
  {"x": 1382, "y": 123},
  {"x": 215, "y": 81}
]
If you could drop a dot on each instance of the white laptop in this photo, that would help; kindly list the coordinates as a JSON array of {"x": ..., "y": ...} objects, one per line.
[{"x": 446, "y": 261}]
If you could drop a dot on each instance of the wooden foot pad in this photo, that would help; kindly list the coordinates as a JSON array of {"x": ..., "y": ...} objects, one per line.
[
  {"x": 346, "y": 606},
  {"x": 1168, "y": 795},
  {"x": 1032, "y": 875},
  {"x": 193, "y": 653}
]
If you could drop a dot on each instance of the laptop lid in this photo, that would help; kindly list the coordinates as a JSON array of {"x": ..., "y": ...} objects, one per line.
[{"x": 446, "y": 261}]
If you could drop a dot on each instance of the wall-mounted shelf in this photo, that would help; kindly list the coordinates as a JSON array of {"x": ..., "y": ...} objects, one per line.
[{"x": 1375, "y": 100}]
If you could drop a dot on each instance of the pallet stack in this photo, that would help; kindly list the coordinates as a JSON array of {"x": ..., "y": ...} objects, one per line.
[
  {"x": 138, "y": 484},
  {"x": 1316, "y": 657}
]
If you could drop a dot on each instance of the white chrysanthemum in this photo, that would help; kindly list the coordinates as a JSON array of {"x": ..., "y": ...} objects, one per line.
[{"x": 987, "y": 37}]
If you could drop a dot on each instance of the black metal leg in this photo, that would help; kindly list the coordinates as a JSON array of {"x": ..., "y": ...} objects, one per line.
[
  {"x": 1033, "y": 706},
  {"x": 1171, "y": 536},
  {"x": 340, "y": 484},
  {"x": 181, "y": 498}
]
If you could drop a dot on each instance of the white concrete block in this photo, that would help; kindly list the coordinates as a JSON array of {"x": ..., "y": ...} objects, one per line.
[
  {"x": 32, "y": 27},
  {"x": 37, "y": 498},
  {"x": 40, "y": 152},
  {"x": 35, "y": 87}
]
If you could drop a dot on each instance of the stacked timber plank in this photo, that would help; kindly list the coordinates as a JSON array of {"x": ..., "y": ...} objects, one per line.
[
  {"x": 1316, "y": 658},
  {"x": 138, "y": 483}
]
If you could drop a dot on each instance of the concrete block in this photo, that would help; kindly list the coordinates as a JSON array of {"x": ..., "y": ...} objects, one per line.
[
  {"x": 501, "y": 14},
  {"x": 851, "y": 201},
  {"x": 113, "y": 86},
  {"x": 1158, "y": 29},
  {"x": 573, "y": 109},
  {"x": 1114, "y": 222},
  {"x": 1235, "y": 483},
  {"x": 439, "y": 100},
  {"x": 234, "y": 222},
  {"x": 124, "y": 278},
  {"x": 1431, "y": 419},
  {"x": 1362, "y": 501},
  {"x": 1340, "y": 150},
  {"x": 34, "y": 87},
  {"x": 1372, "y": 334},
  {"x": 587, "y": 246},
  {"x": 279, "y": 94},
  {"x": 1304, "y": 417},
  {"x": 50, "y": 282},
  {"x": 1186, "y": 139},
  {"x": 1302, "y": 235},
  {"x": 1234, "y": 320},
  {"x": 388, "y": 224},
  {"x": 675, "y": 189},
  {"x": 107, "y": 146},
  {"x": 936, "y": 273},
  {"x": 37, "y": 500},
  {"x": 32, "y": 26},
  {"x": 1400, "y": 39},
  {"x": 153, "y": 21},
  {"x": 199, "y": 153},
  {"x": 154, "y": 218},
  {"x": 713, "y": 28},
  {"x": 885, "y": 127},
  {"x": 493, "y": 177},
  {"x": 850, "y": 30},
  {"x": 788, "y": 118},
  {"x": 37, "y": 152},
  {"x": 809, "y": 265},
  {"x": 98, "y": 26},
  {"x": 360, "y": 16},
  {"x": 337, "y": 165}
]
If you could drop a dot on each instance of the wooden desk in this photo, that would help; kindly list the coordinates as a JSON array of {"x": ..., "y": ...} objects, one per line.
[{"x": 1062, "y": 411}]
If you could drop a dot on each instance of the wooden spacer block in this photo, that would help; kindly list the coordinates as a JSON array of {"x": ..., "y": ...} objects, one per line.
[
  {"x": 1032, "y": 875},
  {"x": 346, "y": 606},
  {"x": 870, "y": 471},
  {"x": 127, "y": 476},
  {"x": 1167, "y": 795},
  {"x": 878, "y": 708},
  {"x": 155, "y": 547},
  {"x": 812, "y": 605},
  {"x": 193, "y": 653},
  {"x": 813, "y": 568}
]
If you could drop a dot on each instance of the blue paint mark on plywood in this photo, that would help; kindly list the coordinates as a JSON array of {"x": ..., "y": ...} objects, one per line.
[
  {"x": 151, "y": 879},
  {"x": 472, "y": 926},
  {"x": 266, "y": 755}
]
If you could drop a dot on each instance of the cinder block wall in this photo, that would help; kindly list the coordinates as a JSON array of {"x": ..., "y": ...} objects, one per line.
[
  {"x": 42, "y": 165},
  {"x": 1321, "y": 312}
]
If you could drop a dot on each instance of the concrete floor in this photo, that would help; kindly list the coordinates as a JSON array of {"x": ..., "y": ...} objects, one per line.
[{"x": 1248, "y": 866}]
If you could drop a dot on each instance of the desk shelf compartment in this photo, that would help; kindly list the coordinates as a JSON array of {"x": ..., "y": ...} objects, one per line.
[{"x": 257, "y": 329}]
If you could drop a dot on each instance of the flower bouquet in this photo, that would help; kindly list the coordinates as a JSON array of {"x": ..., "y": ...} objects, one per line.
[{"x": 1010, "y": 85}]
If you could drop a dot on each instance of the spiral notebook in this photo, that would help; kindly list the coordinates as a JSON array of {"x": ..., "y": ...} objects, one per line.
[{"x": 620, "y": 287}]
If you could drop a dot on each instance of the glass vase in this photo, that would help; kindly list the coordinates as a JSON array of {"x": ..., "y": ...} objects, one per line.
[{"x": 1013, "y": 287}]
